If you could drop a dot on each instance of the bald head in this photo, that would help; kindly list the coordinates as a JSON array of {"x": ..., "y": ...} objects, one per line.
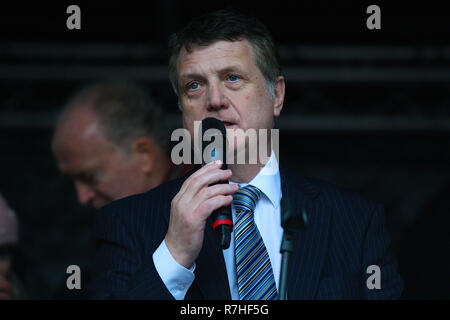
[
  {"x": 78, "y": 127},
  {"x": 100, "y": 170},
  {"x": 103, "y": 141},
  {"x": 85, "y": 155}
]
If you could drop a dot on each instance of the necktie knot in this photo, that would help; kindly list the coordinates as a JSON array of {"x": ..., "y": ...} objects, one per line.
[{"x": 245, "y": 198}]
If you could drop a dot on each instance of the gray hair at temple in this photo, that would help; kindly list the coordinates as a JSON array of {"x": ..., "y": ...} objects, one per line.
[
  {"x": 227, "y": 25},
  {"x": 124, "y": 111}
]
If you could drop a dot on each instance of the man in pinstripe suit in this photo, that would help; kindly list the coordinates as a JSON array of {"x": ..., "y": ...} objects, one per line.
[{"x": 160, "y": 245}]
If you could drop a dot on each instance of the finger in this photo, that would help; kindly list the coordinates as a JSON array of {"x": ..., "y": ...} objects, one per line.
[
  {"x": 211, "y": 192},
  {"x": 207, "y": 167},
  {"x": 207, "y": 207},
  {"x": 216, "y": 190},
  {"x": 202, "y": 170},
  {"x": 204, "y": 180}
]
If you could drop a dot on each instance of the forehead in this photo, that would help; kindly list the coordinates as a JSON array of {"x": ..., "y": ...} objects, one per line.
[
  {"x": 79, "y": 143},
  {"x": 218, "y": 55}
]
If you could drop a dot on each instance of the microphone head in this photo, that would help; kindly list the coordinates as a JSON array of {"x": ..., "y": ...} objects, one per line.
[
  {"x": 293, "y": 218},
  {"x": 213, "y": 140},
  {"x": 213, "y": 123}
]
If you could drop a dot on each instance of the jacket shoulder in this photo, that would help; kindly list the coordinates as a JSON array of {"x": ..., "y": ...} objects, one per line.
[
  {"x": 138, "y": 212},
  {"x": 341, "y": 194},
  {"x": 342, "y": 203}
]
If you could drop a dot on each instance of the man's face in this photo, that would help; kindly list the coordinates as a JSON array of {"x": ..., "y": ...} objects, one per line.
[
  {"x": 223, "y": 81},
  {"x": 100, "y": 172}
]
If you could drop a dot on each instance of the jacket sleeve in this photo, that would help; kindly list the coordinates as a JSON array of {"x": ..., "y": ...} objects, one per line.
[{"x": 122, "y": 268}]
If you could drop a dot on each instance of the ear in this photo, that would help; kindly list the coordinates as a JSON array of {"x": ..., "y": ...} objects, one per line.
[
  {"x": 279, "y": 96},
  {"x": 144, "y": 154}
]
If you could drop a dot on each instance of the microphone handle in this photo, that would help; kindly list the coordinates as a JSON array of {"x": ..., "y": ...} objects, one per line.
[
  {"x": 223, "y": 226},
  {"x": 223, "y": 221}
]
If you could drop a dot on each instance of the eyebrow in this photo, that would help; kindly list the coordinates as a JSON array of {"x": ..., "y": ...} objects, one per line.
[
  {"x": 191, "y": 75},
  {"x": 227, "y": 69}
]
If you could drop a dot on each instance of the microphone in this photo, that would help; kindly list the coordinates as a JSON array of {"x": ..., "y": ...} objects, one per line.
[
  {"x": 217, "y": 150},
  {"x": 292, "y": 220}
]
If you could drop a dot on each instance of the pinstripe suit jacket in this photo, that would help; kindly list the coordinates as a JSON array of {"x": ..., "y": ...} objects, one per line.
[{"x": 345, "y": 234}]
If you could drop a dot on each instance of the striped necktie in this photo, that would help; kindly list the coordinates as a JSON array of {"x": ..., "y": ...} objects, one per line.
[{"x": 253, "y": 268}]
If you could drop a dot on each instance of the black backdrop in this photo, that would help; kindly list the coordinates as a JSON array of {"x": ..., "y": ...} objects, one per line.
[{"x": 365, "y": 109}]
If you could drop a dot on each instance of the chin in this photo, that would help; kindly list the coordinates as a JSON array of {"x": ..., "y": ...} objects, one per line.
[{"x": 100, "y": 204}]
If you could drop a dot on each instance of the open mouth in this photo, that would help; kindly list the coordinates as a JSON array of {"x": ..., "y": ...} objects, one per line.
[{"x": 228, "y": 124}]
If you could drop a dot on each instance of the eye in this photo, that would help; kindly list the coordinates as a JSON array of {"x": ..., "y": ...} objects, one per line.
[
  {"x": 193, "y": 85},
  {"x": 233, "y": 78},
  {"x": 88, "y": 178}
]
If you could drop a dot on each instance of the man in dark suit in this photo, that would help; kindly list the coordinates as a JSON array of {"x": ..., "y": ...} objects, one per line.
[{"x": 160, "y": 244}]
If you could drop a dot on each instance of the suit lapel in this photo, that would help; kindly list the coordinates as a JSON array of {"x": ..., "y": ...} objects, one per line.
[{"x": 310, "y": 244}]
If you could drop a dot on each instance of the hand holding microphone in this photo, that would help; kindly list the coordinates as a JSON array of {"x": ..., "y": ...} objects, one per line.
[
  {"x": 199, "y": 196},
  {"x": 222, "y": 217}
]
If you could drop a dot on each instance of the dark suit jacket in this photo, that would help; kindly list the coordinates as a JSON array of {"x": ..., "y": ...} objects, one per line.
[{"x": 345, "y": 234}]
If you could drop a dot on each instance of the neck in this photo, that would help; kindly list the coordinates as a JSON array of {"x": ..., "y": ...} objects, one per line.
[{"x": 244, "y": 173}]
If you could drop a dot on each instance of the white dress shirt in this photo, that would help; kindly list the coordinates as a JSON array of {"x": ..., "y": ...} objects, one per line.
[{"x": 268, "y": 220}]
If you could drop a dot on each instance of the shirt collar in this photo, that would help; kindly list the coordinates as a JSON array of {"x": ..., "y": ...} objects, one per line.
[{"x": 268, "y": 181}]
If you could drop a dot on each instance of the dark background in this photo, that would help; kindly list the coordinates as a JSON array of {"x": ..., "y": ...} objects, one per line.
[{"x": 364, "y": 109}]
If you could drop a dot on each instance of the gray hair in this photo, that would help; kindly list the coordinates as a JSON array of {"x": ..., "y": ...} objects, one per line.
[
  {"x": 124, "y": 112},
  {"x": 230, "y": 26}
]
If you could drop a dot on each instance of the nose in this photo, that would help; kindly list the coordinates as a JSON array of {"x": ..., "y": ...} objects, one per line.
[
  {"x": 85, "y": 193},
  {"x": 216, "y": 98}
]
